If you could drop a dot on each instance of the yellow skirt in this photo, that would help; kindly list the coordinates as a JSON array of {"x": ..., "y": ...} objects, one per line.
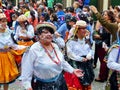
[
  {"x": 8, "y": 68},
  {"x": 29, "y": 43},
  {"x": 18, "y": 53}
]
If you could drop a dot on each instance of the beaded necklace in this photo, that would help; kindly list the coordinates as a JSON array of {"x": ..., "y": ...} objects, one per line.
[{"x": 58, "y": 61}]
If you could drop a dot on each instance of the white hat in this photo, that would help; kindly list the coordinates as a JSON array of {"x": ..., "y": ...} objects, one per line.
[
  {"x": 22, "y": 18},
  {"x": 81, "y": 23}
]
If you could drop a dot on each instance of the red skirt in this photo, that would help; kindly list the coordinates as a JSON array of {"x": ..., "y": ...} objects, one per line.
[{"x": 72, "y": 81}]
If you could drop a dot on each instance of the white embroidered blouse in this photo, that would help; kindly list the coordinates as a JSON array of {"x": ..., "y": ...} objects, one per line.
[
  {"x": 29, "y": 32},
  {"x": 37, "y": 62},
  {"x": 6, "y": 41},
  {"x": 78, "y": 48}
]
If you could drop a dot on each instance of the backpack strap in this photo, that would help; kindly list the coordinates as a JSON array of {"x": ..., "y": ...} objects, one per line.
[{"x": 109, "y": 50}]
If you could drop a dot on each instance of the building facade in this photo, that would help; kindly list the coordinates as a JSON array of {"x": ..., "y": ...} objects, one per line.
[{"x": 100, "y": 4}]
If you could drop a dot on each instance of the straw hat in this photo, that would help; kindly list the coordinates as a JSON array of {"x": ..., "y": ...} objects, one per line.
[
  {"x": 80, "y": 24},
  {"x": 22, "y": 18},
  {"x": 40, "y": 27}
]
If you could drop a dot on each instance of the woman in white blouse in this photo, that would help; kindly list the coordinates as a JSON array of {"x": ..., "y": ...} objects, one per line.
[
  {"x": 78, "y": 50},
  {"x": 8, "y": 68},
  {"x": 24, "y": 35},
  {"x": 24, "y": 32},
  {"x": 43, "y": 63}
]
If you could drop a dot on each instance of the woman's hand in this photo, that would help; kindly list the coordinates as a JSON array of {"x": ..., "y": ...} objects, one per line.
[
  {"x": 93, "y": 9},
  {"x": 111, "y": 8},
  {"x": 84, "y": 59},
  {"x": 89, "y": 57},
  {"x": 78, "y": 72}
]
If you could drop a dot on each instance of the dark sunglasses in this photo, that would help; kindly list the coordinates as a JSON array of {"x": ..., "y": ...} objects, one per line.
[{"x": 81, "y": 28}]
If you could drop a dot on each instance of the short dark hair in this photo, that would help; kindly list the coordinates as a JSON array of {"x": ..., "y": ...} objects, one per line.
[
  {"x": 25, "y": 7},
  {"x": 70, "y": 9},
  {"x": 87, "y": 7},
  {"x": 73, "y": 19},
  {"x": 59, "y": 5}
]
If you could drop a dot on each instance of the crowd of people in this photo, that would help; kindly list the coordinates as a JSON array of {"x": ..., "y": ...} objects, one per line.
[{"x": 48, "y": 47}]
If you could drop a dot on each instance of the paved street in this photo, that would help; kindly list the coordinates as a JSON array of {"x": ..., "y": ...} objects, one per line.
[
  {"x": 98, "y": 85},
  {"x": 95, "y": 85}
]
